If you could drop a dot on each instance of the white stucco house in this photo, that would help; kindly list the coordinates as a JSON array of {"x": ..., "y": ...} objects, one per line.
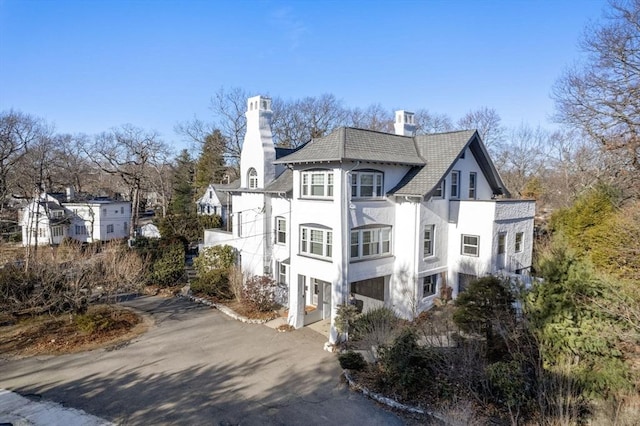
[
  {"x": 217, "y": 200},
  {"x": 391, "y": 218},
  {"x": 50, "y": 219}
]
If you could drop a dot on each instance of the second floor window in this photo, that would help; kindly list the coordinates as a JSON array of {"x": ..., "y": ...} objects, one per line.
[
  {"x": 439, "y": 191},
  {"x": 315, "y": 241},
  {"x": 472, "y": 185},
  {"x": 366, "y": 184},
  {"x": 252, "y": 176},
  {"x": 317, "y": 184},
  {"x": 281, "y": 230},
  {"x": 470, "y": 245},
  {"x": 455, "y": 184},
  {"x": 370, "y": 242},
  {"x": 428, "y": 240},
  {"x": 110, "y": 229}
]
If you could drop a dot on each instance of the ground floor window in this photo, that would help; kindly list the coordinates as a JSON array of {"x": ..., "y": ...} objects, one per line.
[
  {"x": 81, "y": 230},
  {"x": 373, "y": 288},
  {"x": 57, "y": 231},
  {"x": 429, "y": 285},
  {"x": 110, "y": 229}
]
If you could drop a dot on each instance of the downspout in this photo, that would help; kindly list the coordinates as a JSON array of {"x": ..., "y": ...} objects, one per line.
[{"x": 345, "y": 201}]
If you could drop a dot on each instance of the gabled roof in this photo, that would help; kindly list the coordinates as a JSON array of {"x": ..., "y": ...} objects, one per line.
[
  {"x": 222, "y": 190},
  {"x": 431, "y": 156},
  {"x": 351, "y": 144},
  {"x": 440, "y": 151}
]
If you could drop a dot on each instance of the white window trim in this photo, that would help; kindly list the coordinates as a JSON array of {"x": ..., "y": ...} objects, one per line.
[
  {"x": 432, "y": 231},
  {"x": 306, "y": 242},
  {"x": 455, "y": 183},
  {"x": 519, "y": 244},
  {"x": 473, "y": 184},
  {"x": 502, "y": 245},
  {"x": 464, "y": 247},
  {"x": 306, "y": 186},
  {"x": 377, "y": 185},
  {"x": 252, "y": 178},
  {"x": 281, "y": 230},
  {"x": 379, "y": 240},
  {"x": 434, "y": 282},
  {"x": 440, "y": 191}
]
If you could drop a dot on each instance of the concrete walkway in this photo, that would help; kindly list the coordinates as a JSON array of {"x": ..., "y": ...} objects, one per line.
[
  {"x": 20, "y": 411},
  {"x": 197, "y": 366}
]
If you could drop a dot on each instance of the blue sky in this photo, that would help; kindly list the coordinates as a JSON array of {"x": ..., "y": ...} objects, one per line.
[{"x": 87, "y": 66}]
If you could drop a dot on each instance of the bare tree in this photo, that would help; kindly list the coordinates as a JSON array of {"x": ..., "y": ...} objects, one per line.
[
  {"x": 128, "y": 152},
  {"x": 297, "y": 122},
  {"x": 523, "y": 157},
  {"x": 488, "y": 124},
  {"x": 374, "y": 117},
  {"x": 17, "y": 132},
  {"x": 428, "y": 122},
  {"x": 601, "y": 97},
  {"x": 71, "y": 165}
]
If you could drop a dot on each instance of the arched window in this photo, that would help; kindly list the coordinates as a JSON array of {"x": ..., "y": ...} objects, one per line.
[{"x": 252, "y": 178}]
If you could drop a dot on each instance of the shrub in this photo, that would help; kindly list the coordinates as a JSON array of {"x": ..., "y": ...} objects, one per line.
[
  {"x": 214, "y": 283},
  {"x": 407, "y": 367},
  {"x": 210, "y": 221},
  {"x": 260, "y": 293},
  {"x": 345, "y": 317},
  {"x": 169, "y": 268},
  {"x": 352, "y": 361},
  {"x": 376, "y": 327}
]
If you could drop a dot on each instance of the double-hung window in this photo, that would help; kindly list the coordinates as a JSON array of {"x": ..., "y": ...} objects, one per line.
[
  {"x": 81, "y": 230},
  {"x": 316, "y": 241},
  {"x": 110, "y": 229},
  {"x": 429, "y": 285},
  {"x": 470, "y": 245},
  {"x": 428, "y": 240},
  {"x": 439, "y": 191},
  {"x": 317, "y": 184},
  {"x": 502, "y": 243},
  {"x": 472, "y": 185},
  {"x": 519, "y": 237},
  {"x": 252, "y": 177},
  {"x": 455, "y": 184},
  {"x": 370, "y": 242},
  {"x": 281, "y": 230},
  {"x": 366, "y": 184}
]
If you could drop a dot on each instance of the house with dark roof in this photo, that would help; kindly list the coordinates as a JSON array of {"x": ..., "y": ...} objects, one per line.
[
  {"x": 393, "y": 220},
  {"x": 217, "y": 200}
]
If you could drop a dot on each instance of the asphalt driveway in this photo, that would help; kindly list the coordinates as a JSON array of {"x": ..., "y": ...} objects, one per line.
[{"x": 197, "y": 366}]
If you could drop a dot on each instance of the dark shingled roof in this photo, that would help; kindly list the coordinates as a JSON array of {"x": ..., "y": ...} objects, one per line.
[
  {"x": 440, "y": 152},
  {"x": 432, "y": 156},
  {"x": 283, "y": 184},
  {"x": 351, "y": 144},
  {"x": 222, "y": 190}
]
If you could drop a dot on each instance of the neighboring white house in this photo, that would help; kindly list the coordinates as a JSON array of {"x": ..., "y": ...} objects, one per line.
[
  {"x": 50, "y": 219},
  {"x": 217, "y": 200},
  {"x": 392, "y": 218}
]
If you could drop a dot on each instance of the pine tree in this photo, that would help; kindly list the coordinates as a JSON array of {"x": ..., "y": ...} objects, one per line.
[
  {"x": 210, "y": 166},
  {"x": 182, "y": 201}
]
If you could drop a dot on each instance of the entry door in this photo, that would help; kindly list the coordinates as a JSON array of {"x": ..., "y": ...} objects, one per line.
[{"x": 318, "y": 294}]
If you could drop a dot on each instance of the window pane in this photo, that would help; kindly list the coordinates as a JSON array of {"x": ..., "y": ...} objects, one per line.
[
  {"x": 354, "y": 243},
  {"x": 330, "y": 184}
]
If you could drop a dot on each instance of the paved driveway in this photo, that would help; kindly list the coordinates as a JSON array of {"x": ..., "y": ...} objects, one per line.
[{"x": 196, "y": 366}]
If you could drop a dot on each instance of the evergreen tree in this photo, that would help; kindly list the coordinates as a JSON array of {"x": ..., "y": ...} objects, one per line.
[
  {"x": 210, "y": 165},
  {"x": 182, "y": 201}
]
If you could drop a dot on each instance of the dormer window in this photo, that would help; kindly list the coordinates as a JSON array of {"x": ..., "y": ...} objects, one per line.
[
  {"x": 252, "y": 177},
  {"x": 366, "y": 184}
]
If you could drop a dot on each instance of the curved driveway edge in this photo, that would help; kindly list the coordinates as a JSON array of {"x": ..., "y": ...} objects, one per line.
[{"x": 197, "y": 366}]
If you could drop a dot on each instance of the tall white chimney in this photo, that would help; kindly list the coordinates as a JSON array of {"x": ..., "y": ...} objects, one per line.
[
  {"x": 405, "y": 124},
  {"x": 258, "y": 152}
]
